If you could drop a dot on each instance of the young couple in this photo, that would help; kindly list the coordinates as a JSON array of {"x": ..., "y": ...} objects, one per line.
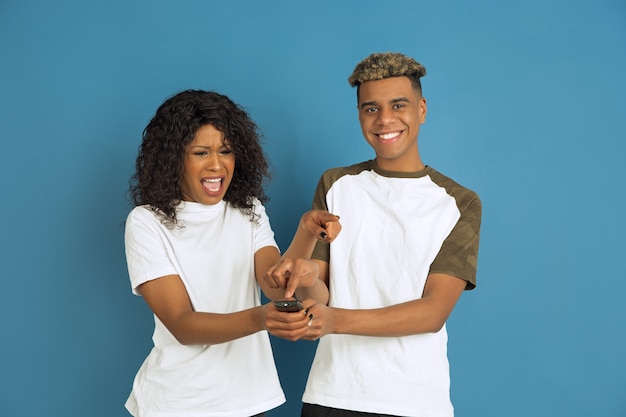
[{"x": 376, "y": 290}]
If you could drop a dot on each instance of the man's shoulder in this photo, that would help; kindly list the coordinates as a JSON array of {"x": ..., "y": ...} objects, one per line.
[
  {"x": 349, "y": 169},
  {"x": 453, "y": 188},
  {"x": 333, "y": 174}
]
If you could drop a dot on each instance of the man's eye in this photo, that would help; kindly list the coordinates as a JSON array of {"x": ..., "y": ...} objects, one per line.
[
  {"x": 371, "y": 110},
  {"x": 398, "y": 106}
]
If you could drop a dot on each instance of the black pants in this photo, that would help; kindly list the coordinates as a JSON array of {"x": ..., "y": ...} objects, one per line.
[{"x": 314, "y": 410}]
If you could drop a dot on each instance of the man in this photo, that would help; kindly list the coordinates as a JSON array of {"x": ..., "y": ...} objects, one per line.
[{"x": 407, "y": 250}]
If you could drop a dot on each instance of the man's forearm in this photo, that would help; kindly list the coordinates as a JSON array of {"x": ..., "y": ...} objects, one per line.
[{"x": 318, "y": 292}]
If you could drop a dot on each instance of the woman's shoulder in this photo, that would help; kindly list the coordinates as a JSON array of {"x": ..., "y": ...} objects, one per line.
[{"x": 143, "y": 214}]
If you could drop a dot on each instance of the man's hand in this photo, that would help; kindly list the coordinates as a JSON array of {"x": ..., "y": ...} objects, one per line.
[
  {"x": 295, "y": 269},
  {"x": 321, "y": 320},
  {"x": 292, "y": 273}
]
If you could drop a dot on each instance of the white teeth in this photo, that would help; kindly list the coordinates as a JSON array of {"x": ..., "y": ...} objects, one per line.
[
  {"x": 212, "y": 184},
  {"x": 387, "y": 136}
]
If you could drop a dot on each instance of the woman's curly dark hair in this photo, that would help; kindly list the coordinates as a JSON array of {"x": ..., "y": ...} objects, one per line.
[{"x": 160, "y": 161}]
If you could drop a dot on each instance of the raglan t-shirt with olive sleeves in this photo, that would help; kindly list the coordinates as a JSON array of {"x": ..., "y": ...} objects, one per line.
[{"x": 397, "y": 228}]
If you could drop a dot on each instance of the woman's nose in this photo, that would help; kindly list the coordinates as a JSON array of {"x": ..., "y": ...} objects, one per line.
[{"x": 213, "y": 161}]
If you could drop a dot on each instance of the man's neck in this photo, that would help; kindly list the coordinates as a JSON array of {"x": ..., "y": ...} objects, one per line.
[{"x": 400, "y": 166}]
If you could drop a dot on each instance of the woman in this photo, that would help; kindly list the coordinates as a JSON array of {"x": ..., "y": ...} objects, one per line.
[{"x": 198, "y": 246}]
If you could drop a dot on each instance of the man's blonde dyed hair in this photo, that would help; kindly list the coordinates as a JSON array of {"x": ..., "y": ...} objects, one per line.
[{"x": 379, "y": 66}]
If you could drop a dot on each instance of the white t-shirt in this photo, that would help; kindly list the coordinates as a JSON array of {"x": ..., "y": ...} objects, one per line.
[{"x": 213, "y": 253}]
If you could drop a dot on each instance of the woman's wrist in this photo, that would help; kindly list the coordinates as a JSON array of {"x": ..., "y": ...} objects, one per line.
[{"x": 258, "y": 317}]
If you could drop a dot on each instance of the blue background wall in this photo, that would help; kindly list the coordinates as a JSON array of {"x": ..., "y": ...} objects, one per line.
[{"x": 526, "y": 106}]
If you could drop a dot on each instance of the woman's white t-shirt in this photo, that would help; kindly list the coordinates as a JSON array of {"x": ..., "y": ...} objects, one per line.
[{"x": 213, "y": 253}]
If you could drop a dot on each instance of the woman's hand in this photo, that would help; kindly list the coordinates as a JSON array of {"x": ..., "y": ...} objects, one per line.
[
  {"x": 315, "y": 321},
  {"x": 295, "y": 269},
  {"x": 289, "y": 326},
  {"x": 323, "y": 225}
]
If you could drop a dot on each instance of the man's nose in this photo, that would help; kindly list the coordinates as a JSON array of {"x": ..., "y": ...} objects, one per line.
[{"x": 384, "y": 116}]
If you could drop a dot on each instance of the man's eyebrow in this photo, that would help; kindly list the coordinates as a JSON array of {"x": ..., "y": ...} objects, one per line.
[
  {"x": 367, "y": 104},
  {"x": 392, "y": 101},
  {"x": 400, "y": 100}
]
